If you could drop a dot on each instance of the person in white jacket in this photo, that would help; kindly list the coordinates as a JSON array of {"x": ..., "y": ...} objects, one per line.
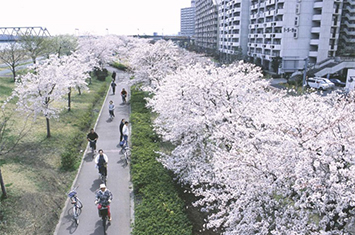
[
  {"x": 101, "y": 161},
  {"x": 125, "y": 133}
]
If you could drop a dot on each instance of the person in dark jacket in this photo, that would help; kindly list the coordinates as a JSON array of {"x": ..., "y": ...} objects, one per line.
[{"x": 121, "y": 128}]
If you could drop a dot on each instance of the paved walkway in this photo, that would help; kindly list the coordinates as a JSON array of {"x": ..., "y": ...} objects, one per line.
[{"x": 118, "y": 175}]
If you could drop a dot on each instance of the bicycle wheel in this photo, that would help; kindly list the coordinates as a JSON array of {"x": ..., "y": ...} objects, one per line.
[
  {"x": 104, "y": 219},
  {"x": 76, "y": 213},
  {"x": 103, "y": 179}
]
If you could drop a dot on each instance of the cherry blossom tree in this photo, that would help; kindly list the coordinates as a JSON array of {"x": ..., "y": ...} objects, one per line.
[
  {"x": 262, "y": 161},
  {"x": 37, "y": 92},
  {"x": 42, "y": 91},
  {"x": 101, "y": 48},
  {"x": 75, "y": 69},
  {"x": 151, "y": 62}
]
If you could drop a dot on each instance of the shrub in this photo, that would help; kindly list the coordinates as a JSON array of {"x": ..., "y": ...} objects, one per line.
[
  {"x": 119, "y": 66},
  {"x": 158, "y": 208}
]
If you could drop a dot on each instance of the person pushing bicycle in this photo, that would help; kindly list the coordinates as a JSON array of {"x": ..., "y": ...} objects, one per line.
[
  {"x": 101, "y": 161},
  {"x": 103, "y": 199}
]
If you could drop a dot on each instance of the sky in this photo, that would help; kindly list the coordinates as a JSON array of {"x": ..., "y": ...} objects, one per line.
[{"x": 79, "y": 17}]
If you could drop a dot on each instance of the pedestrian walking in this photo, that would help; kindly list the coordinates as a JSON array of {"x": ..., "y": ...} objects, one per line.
[
  {"x": 120, "y": 128},
  {"x": 114, "y": 76},
  {"x": 125, "y": 132},
  {"x": 113, "y": 85},
  {"x": 111, "y": 109},
  {"x": 124, "y": 95}
]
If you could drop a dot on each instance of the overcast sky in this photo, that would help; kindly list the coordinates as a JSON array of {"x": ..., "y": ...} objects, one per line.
[{"x": 122, "y": 17}]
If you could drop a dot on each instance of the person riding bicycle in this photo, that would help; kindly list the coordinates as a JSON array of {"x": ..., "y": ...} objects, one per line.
[
  {"x": 101, "y": 161},
  {"x": 124, "y": 95},
  {"x": 103, "y": 199},
  {"x": 92, "y": 137}
]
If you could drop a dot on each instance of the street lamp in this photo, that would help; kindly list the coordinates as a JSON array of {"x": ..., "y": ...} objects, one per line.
[
  {"x": 304, "y": 73},
  {"x": 107, "y": 31}
]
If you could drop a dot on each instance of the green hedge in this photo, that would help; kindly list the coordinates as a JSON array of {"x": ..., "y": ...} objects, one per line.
[
  {"x": 158, "y": 208},
  {"x": 119, "y": 66}
]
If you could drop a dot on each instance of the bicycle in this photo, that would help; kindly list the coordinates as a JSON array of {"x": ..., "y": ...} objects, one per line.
[
  {"x": 103, "y": 213},
  {"x": 127, "y": 154},
  {"x": 77, "y": 204},
  {"x": 92, "y": 146},
  {"x": 103, "y": 178}
]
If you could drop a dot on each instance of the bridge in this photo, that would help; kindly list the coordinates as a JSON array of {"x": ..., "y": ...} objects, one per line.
[{"x": 8, "y": 34}]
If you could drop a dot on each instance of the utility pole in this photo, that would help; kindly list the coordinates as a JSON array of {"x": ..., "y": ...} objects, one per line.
[{"x": 304, "y": 73}]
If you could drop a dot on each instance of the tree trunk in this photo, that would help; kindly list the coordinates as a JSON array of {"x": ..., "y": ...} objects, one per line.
[
  {"x": 48, "y": 129},
  {"x": 69, "y": 96},
  {"x": 3, "y": 189}
]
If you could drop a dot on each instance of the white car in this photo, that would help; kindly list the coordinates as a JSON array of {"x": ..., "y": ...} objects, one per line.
[
  {"x": 318, "y": 83},
  {"x": 331, "y": 85}
]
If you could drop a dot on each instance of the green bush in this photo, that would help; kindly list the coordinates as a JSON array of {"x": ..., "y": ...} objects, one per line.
[
  {"x": 158, "y": 208},
  {"x": 119, "y": 66}
]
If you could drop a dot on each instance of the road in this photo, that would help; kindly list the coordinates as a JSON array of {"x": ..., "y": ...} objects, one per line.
[{"x": 118, "y": 175}]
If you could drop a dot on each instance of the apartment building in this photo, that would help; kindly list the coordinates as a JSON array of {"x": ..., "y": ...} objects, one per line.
[
  {"x": 346, "y": 46},
  {"x": 187, "y": 21},
  {"x": 206, "y": 26},
  {"x": 293, "y": 30},
  {"x": 289, "y": 33},
  {"x": 233, "y": 28}
]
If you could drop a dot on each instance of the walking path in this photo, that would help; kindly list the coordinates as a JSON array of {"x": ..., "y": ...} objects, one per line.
[{"x": 118, "y": 175}]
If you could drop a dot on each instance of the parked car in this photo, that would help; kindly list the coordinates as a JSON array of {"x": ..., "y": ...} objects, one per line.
[
  {"x": 331, "y": 84},
  {"x": 317, "y": 83},
  {"x": 337, "y": 82}
]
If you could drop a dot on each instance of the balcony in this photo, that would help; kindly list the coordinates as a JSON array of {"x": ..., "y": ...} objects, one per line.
[
  {"x": 277, "y": 24},
  {"x": 317, "y": 17},
  {"x": 313, "y": 54},
  {"x": 315, "y": 30},
  {"x": 254, "y": 7},
  {"x": 269, "y": 13},
  {"x": 279, "y": 11},
  {"x": 318, "y": 5},
  {"x": 270, "y": 2},
  {"x": 314, "y": 42},
  {"x": 276, "y": 47}
]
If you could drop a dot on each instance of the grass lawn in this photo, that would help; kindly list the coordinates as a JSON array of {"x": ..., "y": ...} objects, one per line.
[{"x": 35, "y": 182}]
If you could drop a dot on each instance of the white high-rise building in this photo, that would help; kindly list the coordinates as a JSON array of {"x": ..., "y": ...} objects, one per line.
[
  {"x": 206, "y": 24},
  {"x": 294, "y": 30},
  {"x": 279, "y": 35},
  {"x": 233, "y": 27},
  {"x": 187, "y": 20},
  {"x": 347, "y": 30}
]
